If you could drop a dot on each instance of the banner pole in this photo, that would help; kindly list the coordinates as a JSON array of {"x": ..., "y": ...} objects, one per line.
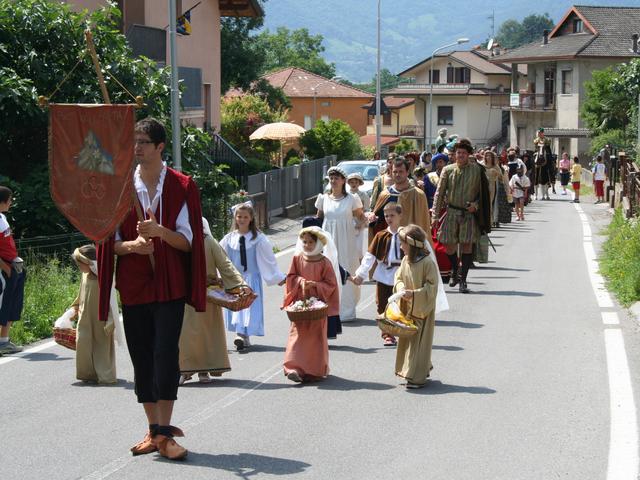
[{"x": 175, "y": 92}]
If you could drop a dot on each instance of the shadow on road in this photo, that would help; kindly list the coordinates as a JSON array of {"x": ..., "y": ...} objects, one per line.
[
  {"x": 259, "y": 348},
  {"x": 349, "y": 348},
  {"x": 44, "y": 357},
  {"x": 243, "y": 465},
  {"x": 495, "y": 278},
  {"x": 120, "y": 382},
  {"x": 508, "y": 293},
  {"x": 506, "y": 269},
  {"x": 448, "y": 348},
  {"x": 344, "y": 384},
  {"x": 436, "y": 387},
  {"x": 455, "y": 323}
]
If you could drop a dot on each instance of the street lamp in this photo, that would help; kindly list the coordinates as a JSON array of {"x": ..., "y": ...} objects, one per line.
[
  {"x": 315, "y": 92},
  {"x": 378, "y": 101},
  {"x": 428, "y": 136}
]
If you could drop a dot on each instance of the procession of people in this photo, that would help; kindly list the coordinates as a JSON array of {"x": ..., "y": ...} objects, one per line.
[{"x": 419, "y": 232}]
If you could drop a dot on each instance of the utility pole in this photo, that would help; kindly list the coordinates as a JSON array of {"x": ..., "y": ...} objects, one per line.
[
  {"x": 378, "y": 103},
  {"x": 175, "y": 90},
  {"x": 492, "y": 17}
]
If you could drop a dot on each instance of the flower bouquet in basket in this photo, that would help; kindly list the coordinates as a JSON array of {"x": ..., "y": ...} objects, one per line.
[
  {"x": 235, "y": 300},
  {"x": 394, "y": 321},
  {"x": 64, "y": 329},
  {"x": 307, "y": 309}
]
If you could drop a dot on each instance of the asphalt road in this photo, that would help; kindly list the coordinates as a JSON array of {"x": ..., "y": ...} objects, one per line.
[{"x": 519, "y": 390}]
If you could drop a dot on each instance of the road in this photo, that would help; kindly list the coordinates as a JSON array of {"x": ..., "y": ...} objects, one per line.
[{"x": 520, "y": 389}]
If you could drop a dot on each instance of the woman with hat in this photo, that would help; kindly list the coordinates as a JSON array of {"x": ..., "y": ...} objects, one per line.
[
  {"x": 355, "y": 181},
  {"x": 338, "y": 209}
]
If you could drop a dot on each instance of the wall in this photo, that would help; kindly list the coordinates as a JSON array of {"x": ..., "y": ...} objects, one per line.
[
  {"x": 348, "y": 110},
  {"x": 483, "y": 122}
]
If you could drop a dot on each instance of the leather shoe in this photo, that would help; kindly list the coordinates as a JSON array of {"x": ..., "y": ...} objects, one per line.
[
  {"x": 147, "y": 445},
  {"x": 454, "y": 280},
  {"x": 463, "y": 287},
  {"x": 169, "y": 448}
]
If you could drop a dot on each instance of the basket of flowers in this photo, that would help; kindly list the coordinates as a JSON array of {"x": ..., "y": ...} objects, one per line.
[
  {"x": 65, "y": 337},
  {"x": 394, "y": 322},
  {"x": 235, "y": 300},
  {"x": 307, "y": 309}
]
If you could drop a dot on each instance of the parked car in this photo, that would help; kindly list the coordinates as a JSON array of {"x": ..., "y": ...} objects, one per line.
[{"x": 369, "y": 169}]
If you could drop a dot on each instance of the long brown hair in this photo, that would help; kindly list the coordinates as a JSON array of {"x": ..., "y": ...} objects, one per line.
[
  {"x": 252, "y": 225},
  {"x": 416, "y": 234}
]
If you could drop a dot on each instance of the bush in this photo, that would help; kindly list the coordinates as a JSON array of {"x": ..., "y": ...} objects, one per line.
[
  {"x": 620, "y": 262},
  {"x": 334, "y": 137},
  {"x": 51, "y": 286},
  {"x": 293, "y": 161}
]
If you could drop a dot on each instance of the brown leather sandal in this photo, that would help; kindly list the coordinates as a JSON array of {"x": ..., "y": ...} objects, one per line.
[{"x": 169, "y": 448}]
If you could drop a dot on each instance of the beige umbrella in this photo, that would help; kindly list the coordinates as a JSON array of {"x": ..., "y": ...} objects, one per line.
[{"x": 281, "y": 131}]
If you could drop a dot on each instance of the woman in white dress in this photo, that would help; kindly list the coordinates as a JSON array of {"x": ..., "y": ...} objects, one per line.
[
  {"x": 338, "y": 209},
  {"x": 355, "y": 181}
]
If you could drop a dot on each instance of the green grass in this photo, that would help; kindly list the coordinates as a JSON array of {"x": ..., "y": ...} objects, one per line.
[
  {"x": 620, "y": 262},
  {"x": 585, "y": 190},
  {"x": 51, "y": 287}
]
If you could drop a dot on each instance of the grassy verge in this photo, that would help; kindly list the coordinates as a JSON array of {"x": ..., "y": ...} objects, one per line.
[
  {"x": 51, "y": 287},
  {"x": 585, "y": 190},
  {"x": 620, "y": 262}
]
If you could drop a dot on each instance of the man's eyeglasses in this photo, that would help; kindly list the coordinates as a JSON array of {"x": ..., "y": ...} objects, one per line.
[{"x": 143, "y": 142}]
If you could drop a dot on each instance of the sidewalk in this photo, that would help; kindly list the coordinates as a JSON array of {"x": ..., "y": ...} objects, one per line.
[{"x": 283, "y": 232}]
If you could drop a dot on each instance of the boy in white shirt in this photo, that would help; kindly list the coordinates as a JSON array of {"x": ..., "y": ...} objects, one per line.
[{"x": 519, "y": 184}]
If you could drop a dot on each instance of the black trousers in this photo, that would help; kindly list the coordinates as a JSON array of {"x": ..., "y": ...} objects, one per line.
[{"x": 153, "y": 333}]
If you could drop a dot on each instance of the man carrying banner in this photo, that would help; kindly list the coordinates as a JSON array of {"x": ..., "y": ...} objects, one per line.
[{"x": 160, "y": 267}]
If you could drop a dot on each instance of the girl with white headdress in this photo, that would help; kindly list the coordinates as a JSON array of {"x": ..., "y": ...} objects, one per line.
[
  {"x": 313, "y": 273},
  {"x": 95, "y": 351},
  {"x": 251, "y": 253},
  {"x": 203, "y": 343},
  {"x": 418, "y": 283}
]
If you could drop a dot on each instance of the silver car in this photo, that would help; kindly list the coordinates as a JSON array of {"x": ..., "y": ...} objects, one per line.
[{"x": 369, "y": 169}]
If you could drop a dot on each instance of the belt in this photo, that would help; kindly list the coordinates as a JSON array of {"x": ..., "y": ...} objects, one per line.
[{"x": 455, "y": 207}]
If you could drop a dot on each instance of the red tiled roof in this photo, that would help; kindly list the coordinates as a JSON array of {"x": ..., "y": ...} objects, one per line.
[
  {"x": 370, "y": 140},
  {"x": 297, "y": 82},
  {"x": 393, "y": 102}
]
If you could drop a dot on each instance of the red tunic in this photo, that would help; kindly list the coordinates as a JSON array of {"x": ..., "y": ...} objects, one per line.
[{"x": 177, "y": 274}]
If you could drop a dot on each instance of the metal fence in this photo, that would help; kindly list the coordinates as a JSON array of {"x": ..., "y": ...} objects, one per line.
[
  {"x": 630, "y": 181},
  {"x": 290, "y": 185}
]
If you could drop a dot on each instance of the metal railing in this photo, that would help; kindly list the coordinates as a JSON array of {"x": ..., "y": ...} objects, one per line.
[
  {"x": 527, "y": 101},
  {"x": 439, "y": 86},
  {"x": 630, "y": 180},
  {"x": 223, "y": 153}
]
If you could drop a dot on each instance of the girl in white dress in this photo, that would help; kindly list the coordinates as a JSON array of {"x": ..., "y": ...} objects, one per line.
[
  {"x": 355, "y": 181},
  {"x": 251, "y": 253},
  {"x": 338, "y": 209}
]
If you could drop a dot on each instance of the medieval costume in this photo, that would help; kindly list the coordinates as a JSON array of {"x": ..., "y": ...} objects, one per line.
[
  {"x": 95, "y": 350},
  {"x": 380, "y": 183},
  {"x": 413, "y": 357},
  {"x": 543, "y": 160},
  {"x": 339, "y": 221},
  {"x": 307, "y": 353},
  {"x": 253, "y": 257},
  {"x": 203, "y": 344},
  {"x": 361, "y": 227},
  {"x": 414, "y": 209}
]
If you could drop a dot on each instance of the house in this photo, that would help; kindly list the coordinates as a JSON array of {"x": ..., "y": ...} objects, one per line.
[
  {"x": 395, "y": 111},
  {"x": 587, "y": 38},
  {"x": 464, "y": 84},
  {"x": 145, "y": 23},
  {"x": 314, "y": 97}
]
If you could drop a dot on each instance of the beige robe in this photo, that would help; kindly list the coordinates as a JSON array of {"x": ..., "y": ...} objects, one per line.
[
  {"x": 415, "y": 209},
  {"x": 203, "y": 341},
  {"x": 413, "y": 356},
  {"x": 95, "y": 350}
]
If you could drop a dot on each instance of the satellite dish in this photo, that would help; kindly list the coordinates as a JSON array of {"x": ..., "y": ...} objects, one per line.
[{"x": 490, "y": 44}]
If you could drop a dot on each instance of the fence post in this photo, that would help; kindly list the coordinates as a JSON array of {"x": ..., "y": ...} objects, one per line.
[{"x": 632, "y": 194}]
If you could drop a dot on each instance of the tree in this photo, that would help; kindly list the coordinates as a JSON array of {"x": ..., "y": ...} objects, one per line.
[
  {"x": 334, "y": 137},
  {"x": 295, "y": 48},
  {"x": 242, "y": 55},
  {"x": 513, "y": 34},
  {"x": 387, "y": 80}
]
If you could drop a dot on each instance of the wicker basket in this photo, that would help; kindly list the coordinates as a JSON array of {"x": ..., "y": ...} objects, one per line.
[
  {"x": 302, "y": 315},
  {"x": 235, "y": 303},
  {"x": 393, "y": 329},
  {"x": 65, "y": 337}
]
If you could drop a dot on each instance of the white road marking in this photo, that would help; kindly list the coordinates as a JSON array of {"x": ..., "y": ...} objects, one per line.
[
  {"x": 26, "y": 353},
  {"x": 623, "y": 441},
  {"x": 623, "y": 446},
  {"x": 197, "y": 419},
  {"x": 610, "y": 318}
]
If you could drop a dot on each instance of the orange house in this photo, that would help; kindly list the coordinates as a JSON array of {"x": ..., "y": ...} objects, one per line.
[{"x": 314, "y": 97}]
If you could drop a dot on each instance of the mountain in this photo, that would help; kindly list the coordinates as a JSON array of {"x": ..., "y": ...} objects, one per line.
[{"x": 410, "y": 29}]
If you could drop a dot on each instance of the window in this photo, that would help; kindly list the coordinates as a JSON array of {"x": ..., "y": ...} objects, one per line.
[
  {"x": 577, "y": 26},
  {"x": 567, "y": 81},
  {"x": 307, "y": 122},
  {"x": 325, "y": 118},
  {"x": 445, "y": 115},
  {"x": 386, "y": 119},
  {"x": 458, "y": 75},
  {"x": 436, "y": 76},
  {"x": 325, "y": 104}
]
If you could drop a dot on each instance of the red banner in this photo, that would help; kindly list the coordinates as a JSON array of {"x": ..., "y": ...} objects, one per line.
[{"x": 91, "y": 164}]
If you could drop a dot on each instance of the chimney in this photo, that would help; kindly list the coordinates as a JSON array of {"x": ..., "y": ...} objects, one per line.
[
  {"x": 545, "y": 37},
  {"x": 634, "y": 42}
]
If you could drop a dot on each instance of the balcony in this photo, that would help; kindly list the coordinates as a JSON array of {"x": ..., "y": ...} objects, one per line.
[
  {"x": 439, "y": 86},
  {"x": 526, "y": 102},
  {"x": 416, "y": 131}
]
